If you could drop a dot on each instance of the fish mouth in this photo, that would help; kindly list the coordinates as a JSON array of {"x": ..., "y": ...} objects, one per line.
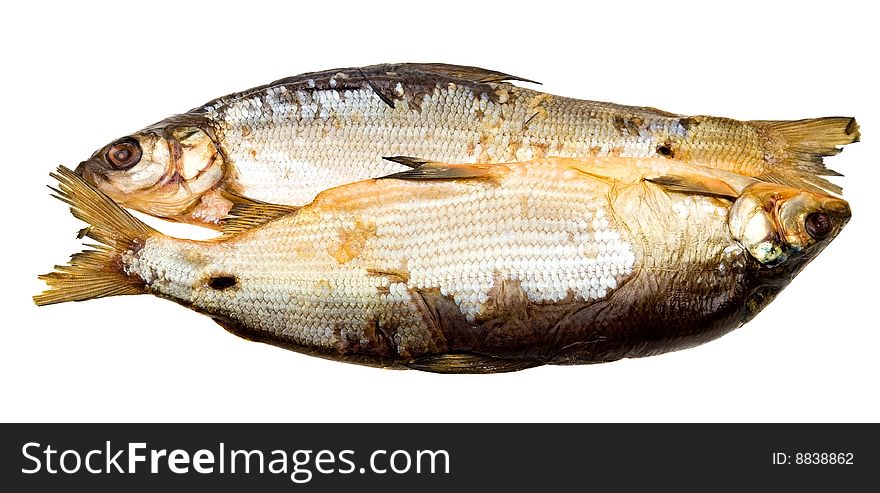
[{"x": 84, "y": 170}]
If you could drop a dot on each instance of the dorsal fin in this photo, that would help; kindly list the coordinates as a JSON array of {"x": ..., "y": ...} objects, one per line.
[
  {"x": 463, "y": 72},
  {"x": 384, "y": 80},
  {"x": 384, "y": 96},
  {"x": 379, "y": 76},
  {"x": 247, "y": 215}
]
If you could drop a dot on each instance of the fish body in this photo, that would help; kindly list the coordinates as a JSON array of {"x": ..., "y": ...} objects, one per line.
[
  {"x": 287, "y": 141},
  {"x": 508, "y": 266}
]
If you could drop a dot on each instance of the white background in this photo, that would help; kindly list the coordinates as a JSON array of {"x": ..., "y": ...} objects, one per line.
[{"x": 75, "y": 77}]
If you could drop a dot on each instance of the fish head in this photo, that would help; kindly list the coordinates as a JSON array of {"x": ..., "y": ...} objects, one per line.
[
  {"x": 786, "y": 227},
  {"x": 162, "y": 170}
]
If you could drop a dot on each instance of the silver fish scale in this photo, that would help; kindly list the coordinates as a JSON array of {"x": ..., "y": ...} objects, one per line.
[
  {"x": 287, "y": 146},
  {"x": 346, "y": 272}
]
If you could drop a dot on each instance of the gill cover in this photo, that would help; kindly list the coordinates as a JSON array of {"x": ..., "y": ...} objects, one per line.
[
  {"x": 175, "y": 166},
  {"x": 776, "y": 222}
]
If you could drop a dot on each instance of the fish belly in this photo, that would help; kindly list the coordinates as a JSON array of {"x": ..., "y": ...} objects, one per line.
[{"x": 542, "y": 261}]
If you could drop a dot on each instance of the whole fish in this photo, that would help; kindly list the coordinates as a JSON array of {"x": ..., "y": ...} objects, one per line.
[
  {"x": 287, "y": 141},
  {"x": 475, "y": 268}
]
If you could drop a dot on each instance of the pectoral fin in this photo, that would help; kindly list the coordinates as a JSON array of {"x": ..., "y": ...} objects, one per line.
[
  {"x": 696, "y": 184},
  {"x": 409, "y": 162},
  {"x": 247, "y": 215},
  {"x": 424, "y": 169}
]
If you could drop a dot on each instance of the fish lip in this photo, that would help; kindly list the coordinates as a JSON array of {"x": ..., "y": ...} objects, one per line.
[{"x": 86, "y": 171}]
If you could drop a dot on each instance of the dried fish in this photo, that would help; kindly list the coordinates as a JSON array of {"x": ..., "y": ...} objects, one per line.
[
  {"x": 287, "y": 141},
  {"x": 475, "y": 268}
]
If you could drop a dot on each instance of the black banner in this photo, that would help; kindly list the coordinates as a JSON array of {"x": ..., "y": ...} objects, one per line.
[{"x": 439, "y": 457}]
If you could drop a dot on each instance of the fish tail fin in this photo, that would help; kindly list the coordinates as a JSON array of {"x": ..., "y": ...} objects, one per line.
[
  {"x": 96, "y": 272},
  {"x": 806, "y": 143}
]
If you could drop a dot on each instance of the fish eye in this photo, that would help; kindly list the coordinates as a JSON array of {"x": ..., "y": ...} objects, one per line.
[
  {"x": 818, "y": 225},
  {"x": 124, "y": 153}
]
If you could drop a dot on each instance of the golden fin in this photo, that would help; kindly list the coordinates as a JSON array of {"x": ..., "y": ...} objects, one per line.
[
  {"x": 471, "y": 363},
  {"x": 696, "y": 184},
  {"x": 806, "y": 143},
  {"x": 90, "y": 274},
  {"x": 94, "y": 273},
  {"x": 802, "y": 180},
  {"x": 428, "y": 170},
  {"x": 237, "y": 198},
  {"x": 248, "y": 215}
]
